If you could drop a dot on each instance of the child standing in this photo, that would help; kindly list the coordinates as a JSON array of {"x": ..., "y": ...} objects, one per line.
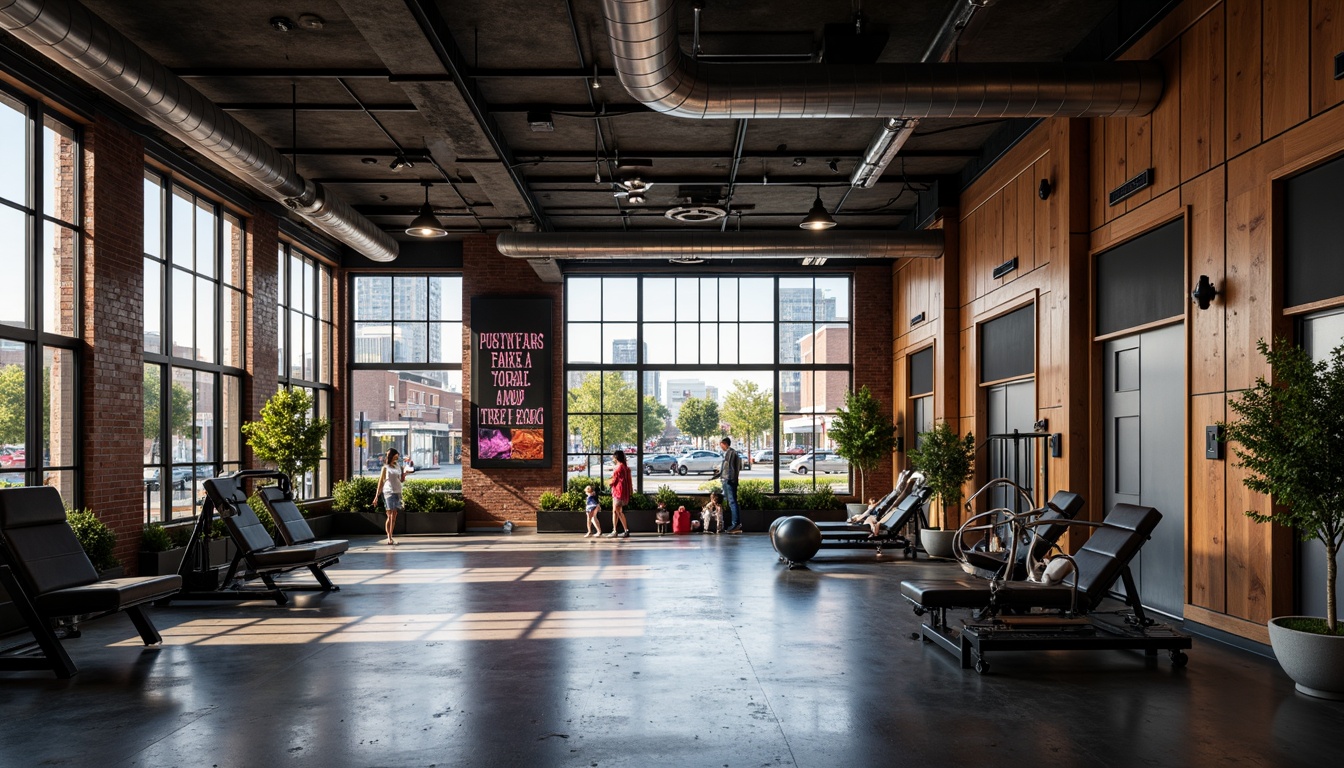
[
  {"x": 663, "y": 518},
  {"x": 591, "y": 507},
  {"x": 712, "y": 511}
]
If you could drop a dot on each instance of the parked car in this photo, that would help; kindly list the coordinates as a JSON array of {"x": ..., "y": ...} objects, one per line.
[
  {"x": 766, "y": 456},
  {"x": 13, "y": 457},
  {"x": 181, "y": 477},
  {"x": 660, "y": 462},
  {"x": 797, "y": 450},
  {"x": 819, "y": 461},
  {"x": 699, "y": 462}
]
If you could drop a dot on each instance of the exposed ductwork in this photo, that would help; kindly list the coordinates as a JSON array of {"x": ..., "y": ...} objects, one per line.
[
  {"x": 721, "y": 245},
  {"x": 73, "y": 37},
  {"x": 652, "y": 67}
]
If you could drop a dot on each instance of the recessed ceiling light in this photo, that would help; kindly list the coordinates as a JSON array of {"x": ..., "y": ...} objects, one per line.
[
  {"x": 311, "y": 21},
  {"x": 369, "y": 160},
  {"x": 282, "y": 24}
]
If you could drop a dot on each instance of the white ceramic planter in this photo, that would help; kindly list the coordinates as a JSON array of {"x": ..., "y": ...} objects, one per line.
[
  {"x": 1314, "y": 662},
  {"x": 937, "y": 543}
]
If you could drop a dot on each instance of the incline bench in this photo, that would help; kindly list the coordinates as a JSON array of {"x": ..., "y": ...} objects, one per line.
[
  {"x": 258, "y": 556},
  {"x": 54, "y": 586}
]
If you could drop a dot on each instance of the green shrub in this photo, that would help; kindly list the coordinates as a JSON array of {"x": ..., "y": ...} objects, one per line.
[
  {"x": 804, "y": 484},
  {"x": 641, "y": 501},
  {"x": 425, "y": 496},
  {"x": 180, "y": 535},
  {"x": 155, "y": 539},
  {"x": 573, "y": 500},
  {"x": 549, "y": 500},
  {"x": 751, "y": 495},
  {"x": 218, "y": 530},
  {"x": 439, "y": 484},
  {"x": 667, "y": 496},
  {"x": 822, "y": 498},
  {"x": 254, "y": 501},
  {"x": 576, "y": 484},
  {"x": 95, "y": 538},
  {"x": 354, "y": 495}
]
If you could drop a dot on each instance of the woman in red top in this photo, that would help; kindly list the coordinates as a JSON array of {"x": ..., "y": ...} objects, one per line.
[{"x": 621, "y": 488}]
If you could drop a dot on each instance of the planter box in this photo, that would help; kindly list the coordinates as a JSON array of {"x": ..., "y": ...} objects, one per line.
[
  {"x": 365, "y": 523},
  {"x": 315, "y": 508},
  {"x": 641, "y": 520},
  {"x": 321, "y": 525},
  {"x": 434, "y": 522},
  {"x": 161, "y": 563}
]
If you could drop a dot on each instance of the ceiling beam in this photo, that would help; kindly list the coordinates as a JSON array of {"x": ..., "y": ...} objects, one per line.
[
  {"x": 352, "y": 73},
  {"x": 710, "y": 154},
  {"x": 585, "y": 183},
  {"x": 275, "y": 106}
]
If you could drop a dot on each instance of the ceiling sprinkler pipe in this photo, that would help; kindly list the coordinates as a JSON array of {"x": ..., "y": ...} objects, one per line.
[
  {"x": 651, "y": 65},
  {"x": 74, "y": 38},
  {"x": 621, "y": 246}
]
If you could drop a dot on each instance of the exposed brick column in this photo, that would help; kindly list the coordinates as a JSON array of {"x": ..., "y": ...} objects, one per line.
[
  {"x": 340, "y": 380},
  {"x": 872, "y": 318},
  {"x": 113, "y": 317},
  {"x": 496, "y": 495},
  {"x": 263, "y": 243}
]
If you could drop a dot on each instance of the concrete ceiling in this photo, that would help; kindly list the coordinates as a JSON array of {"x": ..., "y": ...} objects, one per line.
[{"x": 470, "y": 136}]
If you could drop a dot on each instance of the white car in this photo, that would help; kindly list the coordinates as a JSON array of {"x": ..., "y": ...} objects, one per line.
[
  {"x": 819, "y": 461},
  {"x": 699, "y": 462}
]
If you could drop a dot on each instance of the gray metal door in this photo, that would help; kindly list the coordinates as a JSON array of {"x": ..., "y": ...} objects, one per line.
[
  {"x": 1144, "y": 377},
  {"x": 1009, "y": 408},
  {"x": 1320, "y": 334}
]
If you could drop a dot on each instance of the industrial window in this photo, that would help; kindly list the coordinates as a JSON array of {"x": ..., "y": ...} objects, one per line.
[
  {"x": 1142, "y": 281},
  {"x": 406, "y": 378},
  {"x": 40, "y": 240},
  {"x": 921, "y": 394},
  {"x": 194, "y": 336},
  {"x": 305, "y": 296},
  {"x": 1008, "y": 346},
  {"x": 661, "y": 367},
  {"x": 1313, "y": 264}
]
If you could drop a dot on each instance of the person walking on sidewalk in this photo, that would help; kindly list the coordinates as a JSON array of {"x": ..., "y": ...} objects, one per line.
[
  {"x": 621, "y": 489},
  {"x": 729, "y": 472}
]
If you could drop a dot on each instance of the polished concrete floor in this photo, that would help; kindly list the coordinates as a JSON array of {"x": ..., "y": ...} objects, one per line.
[{"x": 687, "y": 651}]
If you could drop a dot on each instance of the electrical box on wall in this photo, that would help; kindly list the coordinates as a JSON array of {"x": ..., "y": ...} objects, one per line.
[{"x": 1213, "y": 442}]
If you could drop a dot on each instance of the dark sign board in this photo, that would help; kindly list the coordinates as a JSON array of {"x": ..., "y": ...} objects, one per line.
[{"x": 511, "y": 411}]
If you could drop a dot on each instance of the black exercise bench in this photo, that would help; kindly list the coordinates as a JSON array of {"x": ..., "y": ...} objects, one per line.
[
  {"x": 54, "y": 586},
  {"x": 1030, "y": 616},
  {"x": 258, "y": 556}
]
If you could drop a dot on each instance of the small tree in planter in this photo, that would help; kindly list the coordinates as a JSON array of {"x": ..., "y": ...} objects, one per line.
[
  {"x": 862, "y": 434},
  {"x": 947, "y": 462},
  {"x": 1288, "y": 437},
  {"x": 288, "y": 436}
]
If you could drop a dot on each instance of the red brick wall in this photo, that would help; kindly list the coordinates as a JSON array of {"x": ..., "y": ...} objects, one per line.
[
  {"x": 262, "y": 277},
  {"x": 496, "y": 495},
  {"x": 873, "y": 355},
  {"x": 113, "y": 304}
]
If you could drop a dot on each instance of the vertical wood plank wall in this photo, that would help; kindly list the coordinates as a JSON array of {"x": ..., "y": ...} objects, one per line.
[{"x": 1250, "y": 99}]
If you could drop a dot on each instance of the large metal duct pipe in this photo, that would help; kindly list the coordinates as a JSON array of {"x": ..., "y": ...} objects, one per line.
[
  {"x": 652, "y": 67},
  {"x": 721, "y": 245},
  {"x": 72, "y": 36}
]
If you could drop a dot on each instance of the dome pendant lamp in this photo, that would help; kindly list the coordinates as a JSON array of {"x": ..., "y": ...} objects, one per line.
[
  {"x": 817, "y": 218},
  {"x": 426, "y": 224}
]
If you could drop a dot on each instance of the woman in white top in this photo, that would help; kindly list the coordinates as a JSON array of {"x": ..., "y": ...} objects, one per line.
[{"x": 389, "y": 485}]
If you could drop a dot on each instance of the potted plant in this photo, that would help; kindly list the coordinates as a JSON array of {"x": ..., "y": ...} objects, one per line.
[
  {"x": 97, "y": 541},
  {"x": 864, "y": 436},
  {"x": 159, "y": 554},
  {"x": 947, "y": 461},
  {"x": 1287, "y": 437},
  {"x": 288, "y": 436}
]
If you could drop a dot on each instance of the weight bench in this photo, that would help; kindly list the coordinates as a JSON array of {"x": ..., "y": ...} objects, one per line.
[
  {"x": 1048, "y": 527},
  {"x": 1025, "y": 615},
  {"x": 293, "y": 528},
  {"x": 54, "y": 586},
  {"x": 891, "y": 527},
  {"x": 258, "y": 556}
]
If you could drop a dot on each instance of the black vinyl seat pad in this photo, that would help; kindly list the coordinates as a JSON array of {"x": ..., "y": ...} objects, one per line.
[{"x": 107, "y": 596}]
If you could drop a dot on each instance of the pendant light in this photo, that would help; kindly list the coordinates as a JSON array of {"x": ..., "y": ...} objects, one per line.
[
  {"x": 817, "y": 218},
  {"x": 426, "y": 224}
]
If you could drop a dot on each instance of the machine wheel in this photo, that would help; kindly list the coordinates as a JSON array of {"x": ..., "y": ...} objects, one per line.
[
  {"x": 681, "y": 470},
  {"x": 1179, "y": 658},
  {"x": 981, "y": 666}
]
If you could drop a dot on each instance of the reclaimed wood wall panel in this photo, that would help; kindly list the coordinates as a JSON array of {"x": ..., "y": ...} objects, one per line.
[
  {"x": 1202, "y": 94},
  {"x": 1244, "y": 64},
  {"x": 1327, "y": 39},
  {"x": 1206, "y": 533},
  {"x": 1286, "y": 68},
  {"x": 1203, "y": 198}
]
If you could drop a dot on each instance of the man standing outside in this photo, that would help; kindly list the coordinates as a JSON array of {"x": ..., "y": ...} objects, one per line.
[{"x": 728, "y": 473}]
